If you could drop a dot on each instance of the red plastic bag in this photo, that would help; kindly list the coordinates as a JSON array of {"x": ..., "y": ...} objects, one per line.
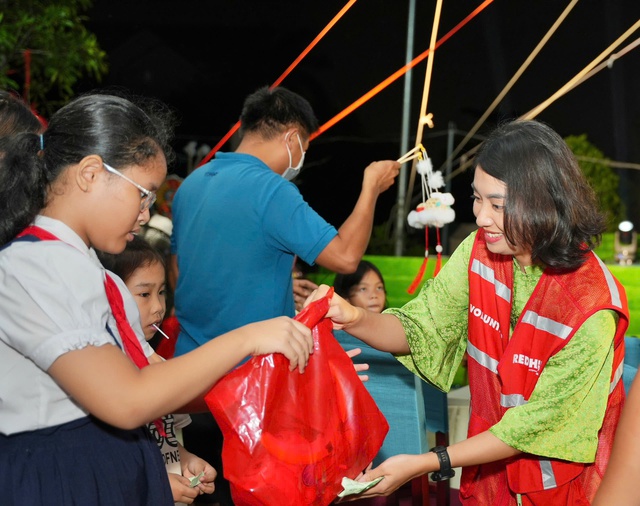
[{"x": 290, "y": 438}]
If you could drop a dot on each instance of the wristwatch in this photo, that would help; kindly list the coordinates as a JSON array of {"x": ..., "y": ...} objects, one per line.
[{"x": 445, "y": 472}]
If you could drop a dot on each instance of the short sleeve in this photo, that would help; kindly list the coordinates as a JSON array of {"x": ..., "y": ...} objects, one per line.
[
  {"x": 181, "y": 420},
  {"x": 435, "y": 321},
  {"x": 290, "y": 224},
  {"x": 54, "y": 301}
]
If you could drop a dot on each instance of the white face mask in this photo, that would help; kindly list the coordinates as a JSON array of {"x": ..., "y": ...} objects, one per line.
[{"x": 290, "y": 171}]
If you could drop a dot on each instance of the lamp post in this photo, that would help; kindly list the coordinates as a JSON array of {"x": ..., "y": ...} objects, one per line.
[{"x": 625, "y": 243}]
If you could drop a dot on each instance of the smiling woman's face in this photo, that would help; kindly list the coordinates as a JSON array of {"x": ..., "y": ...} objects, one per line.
[{"x": 489, "y": 196}]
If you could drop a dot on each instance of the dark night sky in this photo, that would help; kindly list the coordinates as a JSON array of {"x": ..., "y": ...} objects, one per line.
[{"x": 203, "y": 57}]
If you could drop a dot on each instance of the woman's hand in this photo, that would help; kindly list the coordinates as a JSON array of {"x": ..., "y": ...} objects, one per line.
[
  {"x": 341, "y": 313},
  {"x": 281, "y": 335},
  {"x": 396, "y": 470}
]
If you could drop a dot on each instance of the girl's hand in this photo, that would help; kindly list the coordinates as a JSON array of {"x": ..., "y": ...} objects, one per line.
[
  {"x": 359, "y": 367},
  {"x": 341, "y": 313},
  {"x": 281, "y": 335}
]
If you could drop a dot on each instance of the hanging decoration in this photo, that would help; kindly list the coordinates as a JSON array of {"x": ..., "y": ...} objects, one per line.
[{"x": 434, "y": 211}]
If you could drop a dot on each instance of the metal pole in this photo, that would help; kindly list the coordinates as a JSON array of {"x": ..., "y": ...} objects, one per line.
[
  {"x": 404, "y": 136},
  {"x": 451, "y": 131}
]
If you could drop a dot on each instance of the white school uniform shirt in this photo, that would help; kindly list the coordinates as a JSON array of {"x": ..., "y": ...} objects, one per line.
[{"x": 52, "y": 300}]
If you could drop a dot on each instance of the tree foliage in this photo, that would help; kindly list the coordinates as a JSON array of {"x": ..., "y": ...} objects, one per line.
[
  {"x": 602, "y": 178},
  {"x": 62, "y": 49}
]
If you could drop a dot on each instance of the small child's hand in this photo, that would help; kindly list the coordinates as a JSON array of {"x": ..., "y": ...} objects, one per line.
[
  {"x": 192, "y": 465},
  {"x": 359, "y": 367},
  {"x": 281, "y": 335},
  {"x": 181, "y": 490}
]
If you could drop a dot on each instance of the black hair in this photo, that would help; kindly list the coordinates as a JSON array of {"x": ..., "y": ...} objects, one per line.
[
  {"x": 343, "y": 283},
  {"x": 16, "y": 116},
  {"x": 550, "y": 207},
  {"x": 113, "y": 127},
  {"x": 271, "y": 111},
  {"x": 138, "y": 253}
]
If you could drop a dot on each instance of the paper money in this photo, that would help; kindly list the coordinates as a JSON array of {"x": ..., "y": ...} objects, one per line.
[{"x": 357, "y": 487}]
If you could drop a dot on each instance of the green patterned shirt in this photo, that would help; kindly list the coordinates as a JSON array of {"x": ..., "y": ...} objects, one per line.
[{"x": 565, "y": 411}]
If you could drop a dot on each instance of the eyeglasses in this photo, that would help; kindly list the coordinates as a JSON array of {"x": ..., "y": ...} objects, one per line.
[{"x": 147, "y": 197}]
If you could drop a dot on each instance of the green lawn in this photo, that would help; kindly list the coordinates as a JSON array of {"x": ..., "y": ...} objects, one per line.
[{"x": 399, "y": 272}]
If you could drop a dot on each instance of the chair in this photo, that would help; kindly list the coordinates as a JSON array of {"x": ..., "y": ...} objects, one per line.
[
  {"x": 412, "y": 408},
  {"x": 631, "y": 360}
]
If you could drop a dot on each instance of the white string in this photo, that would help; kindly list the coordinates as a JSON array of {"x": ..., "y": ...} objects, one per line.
[
  {"x": 510, "y": 84},
  {"x": 580, "y": 78}
]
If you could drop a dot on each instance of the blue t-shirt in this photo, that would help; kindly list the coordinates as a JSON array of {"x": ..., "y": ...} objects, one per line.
[{"x": 237, "y": 226}]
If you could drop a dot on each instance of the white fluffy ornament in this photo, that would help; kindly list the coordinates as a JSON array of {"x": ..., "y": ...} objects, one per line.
[
  {"x": 424, "y": 167},
  {"x": 435, "y": 212}
]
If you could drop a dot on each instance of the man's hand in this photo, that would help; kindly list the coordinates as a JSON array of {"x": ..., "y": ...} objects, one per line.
[
  {"x": 379, "y": 176},
  {"x": 302, "y": 288}
]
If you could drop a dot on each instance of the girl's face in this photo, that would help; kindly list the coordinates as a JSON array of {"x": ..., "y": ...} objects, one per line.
[
  {"x": 369, "y": 293},
  {"x": 120, "y": 216},
  {"x": 147, "y": 285},
  {"x": 489, "y": 195}
]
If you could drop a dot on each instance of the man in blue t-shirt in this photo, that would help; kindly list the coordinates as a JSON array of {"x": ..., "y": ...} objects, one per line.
[{"x": 239, "y": 223}]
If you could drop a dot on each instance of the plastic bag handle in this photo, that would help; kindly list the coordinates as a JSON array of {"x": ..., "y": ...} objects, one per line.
[{"x": 315, "y": 311}]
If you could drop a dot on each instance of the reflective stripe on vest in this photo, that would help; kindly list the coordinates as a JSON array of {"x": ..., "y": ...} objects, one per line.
[
  {"x": 548, "y": 476},
  {"x": 611, "y": 283},
  {"x": 552, "y": 327},
  {"x": 512, "y": 400},
  {"x": 482, "y": 358},
  {"x": 617, "y": 376},
  {"x": 488, "y": 274}
]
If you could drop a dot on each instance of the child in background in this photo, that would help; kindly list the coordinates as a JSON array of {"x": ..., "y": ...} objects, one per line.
[
  {"x": 389, "y": 383},
  {"x": 157, "y": 232},
  {"x": 76, "y": 385},
  {"x": 363, "y": 288},
  {"x": 142, "y": 268}
]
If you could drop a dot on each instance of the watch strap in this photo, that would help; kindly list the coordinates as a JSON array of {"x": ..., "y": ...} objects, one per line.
[{"x": 445, "y": 472}]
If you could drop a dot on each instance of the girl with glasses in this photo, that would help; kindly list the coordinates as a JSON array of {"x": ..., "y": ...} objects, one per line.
[{"x": 76, "y": 386}]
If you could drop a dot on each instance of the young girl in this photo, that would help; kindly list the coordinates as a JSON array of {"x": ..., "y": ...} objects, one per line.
[
  {"x": 364, "y": 288},
  {"x": 75, "y": 390},
  {"x": 142, "y": 268},
  {"x": 388, "y": 382},
  {"x": 542, "y": 320}
]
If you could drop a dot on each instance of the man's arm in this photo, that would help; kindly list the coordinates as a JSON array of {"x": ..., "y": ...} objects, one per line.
[{"x": 345, "y": 251}]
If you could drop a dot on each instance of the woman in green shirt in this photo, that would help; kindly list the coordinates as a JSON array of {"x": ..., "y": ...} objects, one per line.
[{"x": 538, "y": 400}]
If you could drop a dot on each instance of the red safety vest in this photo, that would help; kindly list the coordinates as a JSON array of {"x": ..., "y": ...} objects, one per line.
[{"x": 504, "y": 370}]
